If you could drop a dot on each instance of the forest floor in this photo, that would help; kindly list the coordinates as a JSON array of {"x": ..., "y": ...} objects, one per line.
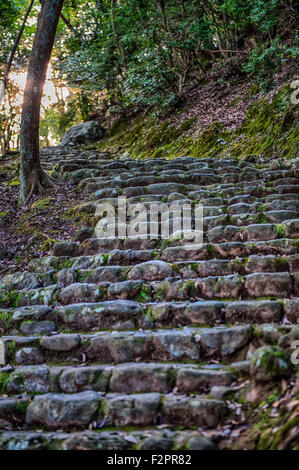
[{"x": 31, "y": 230}]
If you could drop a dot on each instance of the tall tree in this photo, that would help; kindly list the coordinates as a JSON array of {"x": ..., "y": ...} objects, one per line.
[
  {"x": 12, "y": 54},
  {"x": 33, "y": 178}
]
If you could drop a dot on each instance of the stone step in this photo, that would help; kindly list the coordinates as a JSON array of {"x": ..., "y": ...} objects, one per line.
[
  {"x": 127, "y": 314},
  {"x": 215, "y": 234},
  {"x": 149, "y": 271},
  {"x": 124, "y": 378},
  {"x": 118, "y": 339},
  {"x": 233, "y": 286},
  {"x": 150, "y": 439},
  {"x": 185, "y": 344},
  {"x": 200, "y": 177},
  {"x": 210, "y": 222},
  {"x": 283, "y": 247},
  {"x": 231, "y": 250},
  {"x": 79, "y": 410}
]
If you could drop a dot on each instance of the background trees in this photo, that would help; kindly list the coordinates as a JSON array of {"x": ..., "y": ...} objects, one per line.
[
  {"x": 119, "y": 55},
  {"x": 147, "y": 53}
]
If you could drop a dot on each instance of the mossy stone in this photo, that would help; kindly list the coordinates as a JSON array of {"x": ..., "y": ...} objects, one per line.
[{"x": 269, "y": 363}]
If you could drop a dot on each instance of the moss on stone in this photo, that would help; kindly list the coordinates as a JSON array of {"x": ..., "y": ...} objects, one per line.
[
  {"x": 280, "y": 230},
  {"x": 5, "y": 321},
  {"x": 4, "y": 379}
]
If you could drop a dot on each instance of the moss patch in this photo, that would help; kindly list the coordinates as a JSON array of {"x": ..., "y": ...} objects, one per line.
[{"x": 270, "y": 127}]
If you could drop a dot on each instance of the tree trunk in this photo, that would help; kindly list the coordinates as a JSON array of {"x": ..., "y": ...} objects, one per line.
[
  {"x": 12, "y": 54},
  {"x": 33, "y": 178},
  {"x": 116, "y": 35}
]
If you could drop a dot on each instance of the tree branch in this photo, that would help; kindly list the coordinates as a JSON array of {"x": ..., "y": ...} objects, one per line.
[{"x": 12, "y": 54}]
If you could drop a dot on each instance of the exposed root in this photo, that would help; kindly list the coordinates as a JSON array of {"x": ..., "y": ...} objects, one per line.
[{"x": 39, "y": 182}]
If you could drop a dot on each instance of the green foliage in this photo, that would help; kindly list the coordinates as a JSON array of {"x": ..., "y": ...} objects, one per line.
[
  {"x": 264, "y": 60},
  {"x": 4, "y": 379},
  {"x": 144, "y": 53},
  {"x": 9, "y": 10}
]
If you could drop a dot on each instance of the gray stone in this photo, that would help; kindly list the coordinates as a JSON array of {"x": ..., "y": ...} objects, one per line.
[
  {"x": 132, "y": 410},
  {"x": 62, "y": 342},
  {"x": 18, "y": 281},
  {"x": 26, "y": 356},
  {"x": 291, "y": 309},
  {"x": 83, "y": 133},
  {"x": 151, "y": 271},
  {"x": 79, "y": 379},
  {"x": 225, "y": 341},
  {"x": 77, "y": 293},
  {"x": 142, "y": 378},
  {"x": 205, "y": 313},
  {"x": 66, "y": 249},
  {"x": 194, "y": 380},
  {"x": 63, "y": 410},
  {"x": 221, "y": 392},
  {"x": 269, "y": 363},
  {"x": 268, "y": 284},
  {"x": 193, "y": 411},
  {"x": 37, "y": 327},
  {"x": 39, "y": 312},
  {"x": 254, "y": 311},
  {"x": 29, "y": 379}
]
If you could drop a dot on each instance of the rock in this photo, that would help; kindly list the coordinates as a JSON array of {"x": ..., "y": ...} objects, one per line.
[
  {"x": 200, "y": 443},
  {"x": 105, "y": 274},
  {"x": 142, "y": 378},
  {"x": 205, "y": 313},
  {"x": 241, "y": 367},
  {"x": 269, "y": 363},
  {"x": 62, "y": 411},
  {"x": 223, "y": 234},
  {"x": 151, "y": 271},
  {"x": 39, "y": 312},
  {"x": 62, "y": 342},
  {"x": 80, "y": 292},
  {"x": 84, "y": 234},
  {"x": 255, "y": 311},
  {"x": 89, "y": 440},
  {"x": 66, "y": 249},
  {"x": 124, "y": 289},
  {"x": 165, "y": 188},
  {"x": 268, "y": 284},
  {"x": 18, "y": 281},
  {"x": 132, "y": 410},
  {"x": 194, "y": 380},
  {"x": 290, "y": 341},
  {"x": 102, "y": 314},
  {"x": 221, "y": 392},
  {"x": 26, "y": 356},
  {"x": 74, "y": 379},
  {"x": 82, "y": 133},
  {"x": 29, "y": 379},
  {"x": 66, "y": 277},
  {"x": 25, "y": 441},
  {"x": 225, "y": 341},
  {"x": 37, "y": 327},
  {"x": 174, "y": 346},
  {"x": 157, "y": 441},
  {"x": 193, "y": 411}
]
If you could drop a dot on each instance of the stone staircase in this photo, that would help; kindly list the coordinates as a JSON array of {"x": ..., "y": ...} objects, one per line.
[{"x": 140, "y": 343}]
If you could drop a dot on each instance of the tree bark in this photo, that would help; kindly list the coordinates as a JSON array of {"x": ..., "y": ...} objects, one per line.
[
  {"x": 33, "y": 178},
  {"x": 12, "y": 54}
]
